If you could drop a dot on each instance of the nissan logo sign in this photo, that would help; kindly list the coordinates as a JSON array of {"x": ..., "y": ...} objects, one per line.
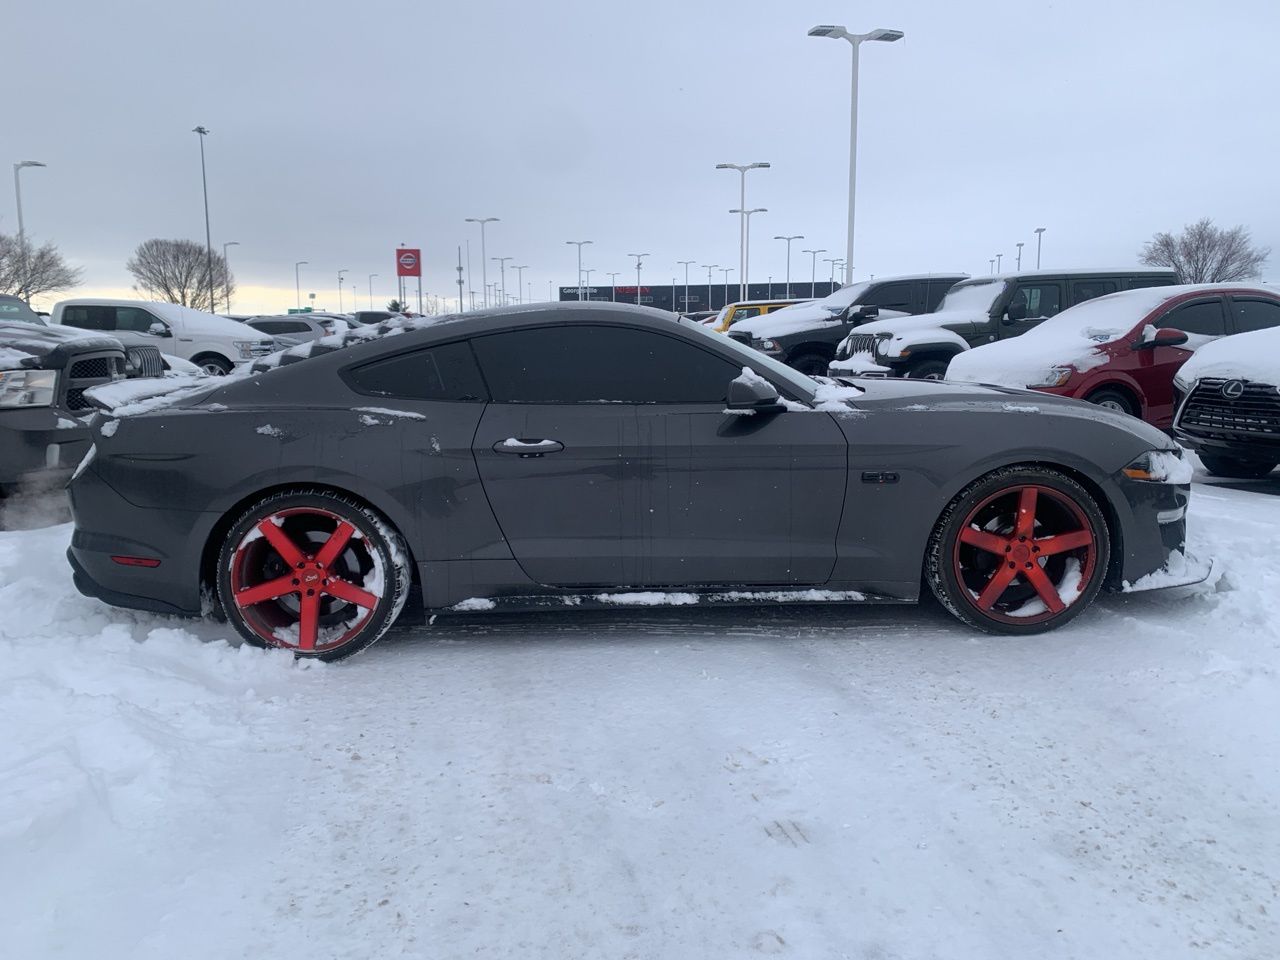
[
  {"x": 408, "y": 261},
  {"x": 1233, "y": 389}
]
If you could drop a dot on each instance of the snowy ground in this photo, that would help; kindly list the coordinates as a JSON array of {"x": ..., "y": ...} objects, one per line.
[{"x": 821, "y": 782}]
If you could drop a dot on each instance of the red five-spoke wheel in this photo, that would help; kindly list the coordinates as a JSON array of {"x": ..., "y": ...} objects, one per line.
[
  {"x": 1019, "y": 551},
  {"x": 313, "y": 572}
]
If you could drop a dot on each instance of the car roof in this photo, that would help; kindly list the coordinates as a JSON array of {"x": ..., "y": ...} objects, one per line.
[
  {"x": 765, "y": 303},
  {"x": 1075, "y": 272}
]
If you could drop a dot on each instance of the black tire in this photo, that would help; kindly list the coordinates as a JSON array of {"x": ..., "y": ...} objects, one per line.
[
  {"x": 810, "y": 364},
  {"x": 1236, "y": 467},
  {"x": 1113, "y": 399},
  {"x": 370, "y": 568},
  {"x": 928, "y": 370},
  {"x": 961, "y": 574},
  {"x": 213, "y": 364}
]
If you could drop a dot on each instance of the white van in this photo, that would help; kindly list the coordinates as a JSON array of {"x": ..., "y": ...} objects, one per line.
[{"x": 214, "y": 344}]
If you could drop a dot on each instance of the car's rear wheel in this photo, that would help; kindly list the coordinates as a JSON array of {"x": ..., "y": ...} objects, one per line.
[
  {"x": 314, "y": 572},
  {"x": 1236, "y": 467},
  {"x": 1021, "y": 550},
  {"x": 928, "y": 370},
  {"x": 1112, "y": 399},
  {"x": 811, "y": 364}
]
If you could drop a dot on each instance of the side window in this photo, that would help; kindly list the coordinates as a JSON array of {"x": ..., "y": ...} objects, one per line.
[
  {"x": 1255, "y": 314},
  {"x": 937, "y": 290},
  {"x": 89, "y": 317},
  {"x": 1082, "y": 290},
  {"x": 890, "y": 296},
  {"x": 269, "y": 327},
  {"x": 742, "y": 313},
  {"x": 585, "y": 364},
  {"x": 1137, "y": 282},
  {"x": 447, "y": 372},
  {"x": 133, "y": 320},
  {"x": 1034, "y": 300},
  {"x": 294, "y": 326},
  {"x": 1203, "y": 318}
]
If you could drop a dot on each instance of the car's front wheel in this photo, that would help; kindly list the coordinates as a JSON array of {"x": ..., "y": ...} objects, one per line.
[
  {"x": 811, "y": 364},
  {"x": 1236, "y": 467},
  {"x": 314, "y": 572},
  {"x": 214, "y": 365},
  {"x": 1021, "y": 550},
  {"x": 929, "y": 370}
]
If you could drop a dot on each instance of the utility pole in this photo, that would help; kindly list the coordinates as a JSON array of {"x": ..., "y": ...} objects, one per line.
[
  {"x": 208, "y": 236},
  {"x": 787, "y": 294},
  {"x": 639, "y": 257},
  {"x": 813, "y": 271},
  {"x": 685, "y": 264}
]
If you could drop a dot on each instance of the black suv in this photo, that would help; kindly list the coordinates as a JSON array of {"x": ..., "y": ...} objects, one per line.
[
  {"x": 806, "y": 335},
  {"x": 975, "y": 312},
  {"x": 44, "y": 372}
]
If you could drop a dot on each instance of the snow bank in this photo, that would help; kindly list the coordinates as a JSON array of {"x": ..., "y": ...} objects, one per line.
[{"x": 1246, "y": 356}]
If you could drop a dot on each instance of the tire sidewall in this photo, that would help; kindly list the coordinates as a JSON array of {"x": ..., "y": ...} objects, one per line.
[
  {"x": 1098, "y": 397},
  {"x": 379, "y": 537},
  {"x": 940, "y": 571},
  {"x": 938, "y": 367}
]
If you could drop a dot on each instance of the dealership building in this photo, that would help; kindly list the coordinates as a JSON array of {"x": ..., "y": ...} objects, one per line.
[{"x": 701, "y": 297}]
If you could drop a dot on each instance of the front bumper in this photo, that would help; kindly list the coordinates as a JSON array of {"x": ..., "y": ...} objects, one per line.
[
  {"x": 1152, "y": 528},
  {"x": 40, "y": 445},
  {"x": 1243, "y": 448}
]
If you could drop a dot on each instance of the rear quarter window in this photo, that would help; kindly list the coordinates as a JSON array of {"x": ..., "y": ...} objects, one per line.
[{"x": 448, "y": 372}]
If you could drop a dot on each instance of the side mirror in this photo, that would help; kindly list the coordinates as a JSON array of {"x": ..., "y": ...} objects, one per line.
[
  {"x": 1016, "y": 312},
  {"x": 755, "y": 393},
  {"x": 861, "y": 312},
  {"x": 1162, "y": 338},
  {"x": 159, "y": 330}
]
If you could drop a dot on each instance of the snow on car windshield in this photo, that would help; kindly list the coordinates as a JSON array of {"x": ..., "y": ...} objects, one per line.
[{"x": 979, "y": 295}]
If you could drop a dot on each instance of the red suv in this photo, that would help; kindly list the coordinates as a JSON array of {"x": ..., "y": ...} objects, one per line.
[{"x": 1121, "y": 351}]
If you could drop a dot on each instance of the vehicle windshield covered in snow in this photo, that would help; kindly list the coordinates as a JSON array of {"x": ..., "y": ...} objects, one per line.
[{"x": 972, "y": 295}]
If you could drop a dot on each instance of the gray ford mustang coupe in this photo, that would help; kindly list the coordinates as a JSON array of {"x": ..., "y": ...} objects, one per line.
[{"x": 585, "y": 454}]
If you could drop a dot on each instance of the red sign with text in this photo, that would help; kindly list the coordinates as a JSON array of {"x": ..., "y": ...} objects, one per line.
[{"x": 408, "y": 262}]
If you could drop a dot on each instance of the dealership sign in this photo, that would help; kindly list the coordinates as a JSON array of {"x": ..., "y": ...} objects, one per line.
[{"x": 408, "y": 262}]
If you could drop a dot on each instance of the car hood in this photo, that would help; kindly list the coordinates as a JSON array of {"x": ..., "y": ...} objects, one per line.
[
  {"x": 939, "y": 396},
  {"x": 25, "y": 345},
  {"x": 921, "y": 321},
  {"x": 798, "y": 319}
]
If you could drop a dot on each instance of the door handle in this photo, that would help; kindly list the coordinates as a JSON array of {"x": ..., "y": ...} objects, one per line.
[{"x": 527, "y": 448}]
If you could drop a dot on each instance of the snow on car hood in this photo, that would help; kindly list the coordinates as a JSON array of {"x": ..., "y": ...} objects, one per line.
[
  {"x": 903, "y": 323},
  {"x": 1245, "y": 356},
  {"x": 806, "y": 316},
  {"x": 25, "y": 345}
]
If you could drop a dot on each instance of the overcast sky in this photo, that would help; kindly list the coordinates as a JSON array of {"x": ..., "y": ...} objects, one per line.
[{"x": 339, "y": 130}]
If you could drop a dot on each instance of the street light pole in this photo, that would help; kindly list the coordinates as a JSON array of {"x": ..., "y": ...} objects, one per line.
[
  {"x": 685, "y": 264},
  {"x": 726, "y": 271},
  {"x": 1039, "y": 237},
  {"x": 798, "y": 236},
  {"x": 855, "y": 41},
  {"x": 813, "y": 271},
  {"x": 484, "y": 271},
  {"x": 371, "y": 276},
  {"x": 639, "y": 257},
  {"x": 742, "y": 169},
  {"x": 22, "y": 245},
  {"x": 502, "y": 267},
  {"x": 992, "y": 261},
  {"x": 709, "y": 267},
  {"x": 1019, "y": 264},
  {"x": 999, "y": 262},
  {"x": 587, "y": 274},
  {"x": 744, "y": 280},
  {"x": 833, "y": 268},
  {"x": 297, "y": 281},
  {"x": 579, "y": 244},
  {"x": 520, "y": 279},
  {"x": 226, "y": 277},
  {"x": 208, "y": 237},
  {"x": 353, "y": 299}
]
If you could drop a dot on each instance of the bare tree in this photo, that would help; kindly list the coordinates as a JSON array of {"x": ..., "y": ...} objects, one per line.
[
  {"x": 177, "y": 271},
  {"x": 27, "y": 271},
  {"x": 1203, "y": 253}
]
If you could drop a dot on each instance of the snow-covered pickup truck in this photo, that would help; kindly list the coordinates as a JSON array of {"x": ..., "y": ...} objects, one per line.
[
  {"x": 973, "y": 313},
  {"x": 44, "y": 372}
]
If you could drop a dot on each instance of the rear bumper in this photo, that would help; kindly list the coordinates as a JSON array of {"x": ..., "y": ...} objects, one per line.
[{"x": 42, "y": 445}]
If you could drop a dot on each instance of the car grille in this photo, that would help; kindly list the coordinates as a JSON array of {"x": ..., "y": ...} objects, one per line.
[
  {"x": 95, "y": 369},
  {"x": 860, "y": 343},
  {"x": 88, "y": 371},
  {"x": 145, "y": 362},
  {"x": 1210, "y": 412}
]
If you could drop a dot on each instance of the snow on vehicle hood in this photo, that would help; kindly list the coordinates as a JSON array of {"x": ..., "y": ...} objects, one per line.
[
  {"x": 783, "y": 322},
  {"x": 903, "y": 323},
  {"x": 1246, "y": 356},
  {"x": 27, "y": 346}
]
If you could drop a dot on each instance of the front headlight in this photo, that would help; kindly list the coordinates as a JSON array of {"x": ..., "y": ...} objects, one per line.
[
  {"x": 767, "y": 346},
  {"x": 28, "y": 388},
  {"x": 1183, "y": 383},
  {"x": 1160, "y": 466},
  {"x": 253, "y": 348},
  {"x": 1054, "y": 377}
]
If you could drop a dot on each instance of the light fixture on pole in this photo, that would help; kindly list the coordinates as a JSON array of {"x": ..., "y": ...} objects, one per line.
[
  {"x": 798, "y": 236},
  {"x": 353, "y": 299},
  {"x": 1039, "y": 237},
  {"x": 685, "y": 264},
  {"x": 226, "y": 277},
  {"x": 742, "y": 169},
  {"x": 502, "y": 267},
  {"x": 726, "y": 271},
  {"x": 856, "y": 40},
  {"x": 813, "y": 270},
  {"x": 297, "y": 281},
  {"x": 613, "y": 287},
  {"x": 208, "y": 237},
  {"x": 520, "y": 279},
  {"x": 17, "y": 194},
  {"x": 833, "y": 268},
  {"x": 579, "y": 244},
  {"x": 744, "y": 279},
  {"x": 484, "y": 271},
  {"x": 709, "y": 267},
  {"x": 992, "y": 261},
  {"x": 1019, "y": 262},
  {"x": 999, "y": 262},
  {"x": 639, "y": 257}
]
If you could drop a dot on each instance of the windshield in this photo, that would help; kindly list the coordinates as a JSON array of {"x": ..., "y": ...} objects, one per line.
[
  {"x": 844, "y": 296},
  {"x": 798, "y": 383},
  {"x": 1106, "y": 318},
  {"x": 974, "y": 295},
  {"x": 13, "y": 309}
]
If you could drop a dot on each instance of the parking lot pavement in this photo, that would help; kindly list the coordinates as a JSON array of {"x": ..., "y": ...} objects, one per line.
[{"x": 716, "y": 782}]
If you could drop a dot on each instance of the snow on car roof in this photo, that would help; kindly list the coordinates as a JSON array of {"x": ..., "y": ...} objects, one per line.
[
  {"x": 1071, "y": 272},
  {"x": 1246, "y": 356}
]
